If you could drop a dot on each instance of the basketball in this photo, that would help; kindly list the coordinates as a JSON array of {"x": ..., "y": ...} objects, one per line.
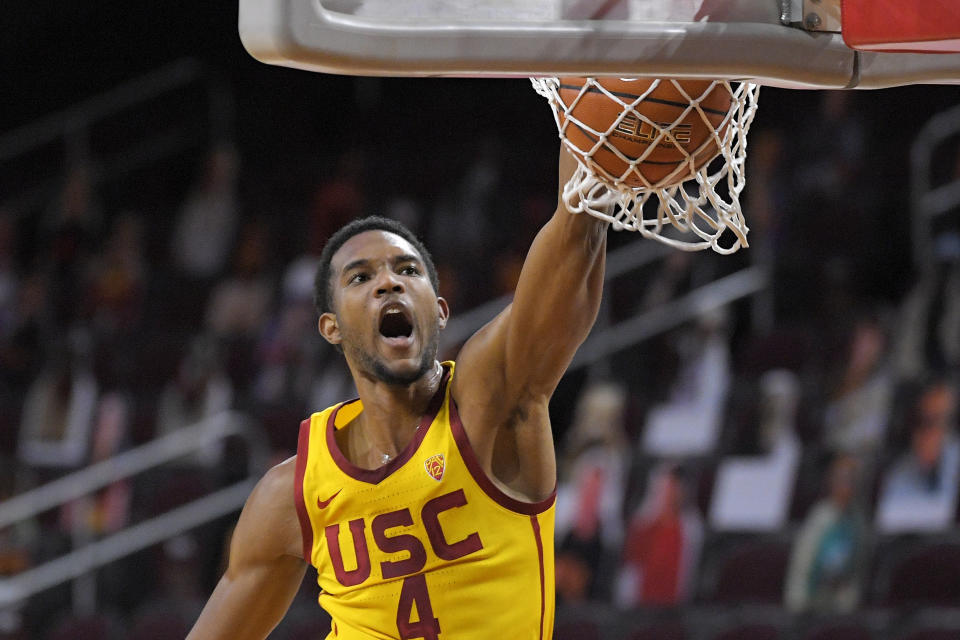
[{"x": 633, "y": 135}]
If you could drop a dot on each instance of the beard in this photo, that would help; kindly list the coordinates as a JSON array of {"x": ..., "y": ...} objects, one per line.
[
  {"x": 384, "y": 374},
  {"x": 380, "y": 369}
]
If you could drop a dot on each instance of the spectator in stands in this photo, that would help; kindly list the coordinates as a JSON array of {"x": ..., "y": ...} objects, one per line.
[
  {"x": 929, "y": 323},
  {"x": 206, "y": 224},
  {"x": 9, "y": 278},
  {"x": 829, "y": 154},
  {"x": 118, "y": 278},
  {"x": 239, "y": 304},
  {"x": 663, "y": 543},
  {"x": 116, "y": 295},
  {"x": 462, "y": 224},
  {"x": 60, "y": 406},
  {"x": 752, "y": 493},
  {"x": 828, "y": 564},
  {"x": 19, "y": 542},
  {"x": 832, "y": 149},
  {"x": 200, "y": 390},
  {"x": 69, "y": 233},
  {"x": 288, "y": 346},
  {"x": 339, "y": 198},
  {"x": 77, "y": 205},
  {"x": 107, "y": 510},
  {"x": 919, "y": 491},
  {"x": 689, "y": 423},
  {"x": 22, "y": 342},
  {"x": 766, "y": 201},
  {"x": 22, "y": 337},
  {"x": 855, "y": 418},
  {"x": 589, "y": 524}
]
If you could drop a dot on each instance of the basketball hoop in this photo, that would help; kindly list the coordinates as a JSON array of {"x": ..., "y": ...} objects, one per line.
[{"x": 693, "y": 206}]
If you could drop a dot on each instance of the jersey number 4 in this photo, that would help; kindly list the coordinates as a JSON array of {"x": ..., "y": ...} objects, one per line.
[{"x": 413, "y": 594}]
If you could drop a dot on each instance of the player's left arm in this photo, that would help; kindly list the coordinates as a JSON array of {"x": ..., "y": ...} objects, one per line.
[{"x": 508, "y": 370}]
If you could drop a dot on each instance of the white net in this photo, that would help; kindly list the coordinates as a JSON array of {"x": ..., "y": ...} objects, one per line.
[{"x": 694, "y": 206}]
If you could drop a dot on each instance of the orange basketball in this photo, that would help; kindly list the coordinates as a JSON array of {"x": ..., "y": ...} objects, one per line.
[{"x": 633, "y": 136}]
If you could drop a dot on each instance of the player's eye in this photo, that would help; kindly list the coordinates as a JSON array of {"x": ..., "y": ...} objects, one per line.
[
  {"x": 409, "y": 270},
  {"x": 358, "y": 277}
]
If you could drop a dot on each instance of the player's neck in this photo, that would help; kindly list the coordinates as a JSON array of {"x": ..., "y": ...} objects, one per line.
[{"x": 392, "y": 413}]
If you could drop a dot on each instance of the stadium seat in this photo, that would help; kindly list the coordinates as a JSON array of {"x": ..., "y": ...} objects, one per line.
[
  {"x": 784, "y": 348},
  {"x": 309, "y": 629},
  {"x": 576, "y": 630},
  {"x": 843, "y": 631},
  {"x": 932, "y": 634},
  {"x": 928, "y": 575},
  {"x": 155, "y": 626},
  {"x": 660, "y": 630},
  {"x": 754, "y": 571},
  {"x": 811, "y": 483},
  {"x": 93, "y": 627},
  {"x": 749, "y": 632}
]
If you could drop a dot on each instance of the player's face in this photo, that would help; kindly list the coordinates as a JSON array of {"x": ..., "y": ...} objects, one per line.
[{"x": 387, "y": 317}]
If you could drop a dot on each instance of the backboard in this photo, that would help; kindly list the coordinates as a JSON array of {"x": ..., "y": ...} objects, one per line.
[{"x": 787, "y": 43}]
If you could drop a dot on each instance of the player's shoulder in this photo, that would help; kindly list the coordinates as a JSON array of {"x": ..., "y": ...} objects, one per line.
[
  {"x": 280, "y": 476},
  {"x": 275, "y": 488},
  {"x": 269, "y": 518},
  {"x": 268, "y": 527}
]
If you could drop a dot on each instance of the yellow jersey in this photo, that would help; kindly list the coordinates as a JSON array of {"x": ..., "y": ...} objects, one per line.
[{"x": 426, "y": 546}]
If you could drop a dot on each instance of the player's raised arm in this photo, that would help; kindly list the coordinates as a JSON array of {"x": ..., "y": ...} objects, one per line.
[
  {"x": 532, "y": 341},
  {"x": 265, "y": 568},
  {"x": 508, "y": 370},
  {"x": 557, "y": 297}
]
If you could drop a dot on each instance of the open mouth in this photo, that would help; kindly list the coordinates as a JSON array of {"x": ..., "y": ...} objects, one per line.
[{"x": 395, "y": 324}]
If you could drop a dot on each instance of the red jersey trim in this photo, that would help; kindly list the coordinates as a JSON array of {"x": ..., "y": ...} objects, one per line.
[
  {"x": 480, "y": 477},
  {"x": 376, "y": 476},
  {"x": 543, "y": 589},
  {"x": 306, "y": 530}
]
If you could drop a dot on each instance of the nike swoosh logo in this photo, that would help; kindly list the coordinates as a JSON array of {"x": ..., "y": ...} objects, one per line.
[{"x": 323, "y": 503}]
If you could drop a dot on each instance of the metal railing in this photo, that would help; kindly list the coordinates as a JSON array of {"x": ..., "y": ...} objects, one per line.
[
  {"x": 606, "y": 339},
  {"x": 926, "y": 201},
  {"x": 622, "y": 260},
  {"x": 715, "y": 295},
  {"x": 154, "y": 454}
]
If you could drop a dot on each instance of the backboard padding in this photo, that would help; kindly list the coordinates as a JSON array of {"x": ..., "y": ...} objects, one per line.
[{"x": 725, "y": 39}]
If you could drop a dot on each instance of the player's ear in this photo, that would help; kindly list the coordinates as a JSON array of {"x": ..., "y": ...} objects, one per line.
[
  {"x": 329, "y": 327},
  {"x": 444, "y": 311}
]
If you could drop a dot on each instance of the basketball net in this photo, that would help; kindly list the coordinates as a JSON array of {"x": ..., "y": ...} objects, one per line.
[{"x": 689, "y": 212}]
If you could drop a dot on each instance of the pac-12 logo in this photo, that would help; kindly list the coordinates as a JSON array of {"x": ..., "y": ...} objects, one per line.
[{"x": 435, "y": 466}]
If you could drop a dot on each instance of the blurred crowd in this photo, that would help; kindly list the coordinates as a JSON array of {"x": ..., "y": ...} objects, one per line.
[{"x": 796, "y": 450}]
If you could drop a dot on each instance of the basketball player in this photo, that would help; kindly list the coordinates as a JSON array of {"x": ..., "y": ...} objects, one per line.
[{"x": 427, "y": 504}]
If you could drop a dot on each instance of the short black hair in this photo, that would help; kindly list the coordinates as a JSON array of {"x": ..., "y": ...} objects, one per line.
[{"x": 323, "y": 296}]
